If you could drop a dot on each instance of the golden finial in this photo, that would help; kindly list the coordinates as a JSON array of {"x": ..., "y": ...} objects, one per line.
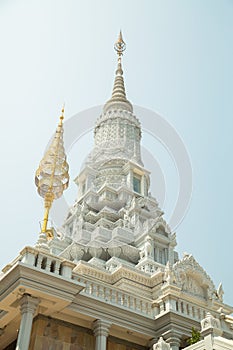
[
  {"x": 52, "y": 176},
  {"x": 62, "y": 114},
  {"x": 120, "y": 45}
]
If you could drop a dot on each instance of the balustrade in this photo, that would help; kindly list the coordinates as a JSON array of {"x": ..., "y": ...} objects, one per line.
[
  {"x": 46, "y": 262},
  {"x": 116, "y": 297}
]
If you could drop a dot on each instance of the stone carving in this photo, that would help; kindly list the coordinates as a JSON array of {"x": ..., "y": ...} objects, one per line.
[
  {"x": 73, "y": 252},
  {"x": 220, "y": 292},
  {"x": 147, "y": 249},
  {"x": 161, "y": 345},
  {"x": 143, "y": 203},
  {"x": 189, "y": 284},
  {"x": 95, "y": 252},
  {"x": 138, "y": 225},
  {"x": 112, "y": 266},
  {"x": 159, "y": 224},
  {"x": 210, "y": 322},
  {"x": 133, "y": 204},
  {"x": 148, "y": 266},
  {"x": 114, "y": 251},
  {"x": 84, "y": 208},
  {"x": 130, "y": 252},
  {"x": 127, "y": 223},
  {"x": 192, "y": 278},
  {"x": 169, "y": 274}
]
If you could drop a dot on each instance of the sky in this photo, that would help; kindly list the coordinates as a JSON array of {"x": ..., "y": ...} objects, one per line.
[{"x": 178, "y": 64}]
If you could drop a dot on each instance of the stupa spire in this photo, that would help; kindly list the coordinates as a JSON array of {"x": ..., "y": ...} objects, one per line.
[
  {"x": 119, "y": 99},
  {"x": 52, "y": 176}
]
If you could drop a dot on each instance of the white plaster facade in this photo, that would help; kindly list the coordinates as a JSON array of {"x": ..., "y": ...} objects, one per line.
[{"x": 112, "y": 267}]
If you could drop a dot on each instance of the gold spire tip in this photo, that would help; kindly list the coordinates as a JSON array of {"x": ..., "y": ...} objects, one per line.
[
  {"x": 120, "y": 45},
  {"x": 62, "y": 113}
]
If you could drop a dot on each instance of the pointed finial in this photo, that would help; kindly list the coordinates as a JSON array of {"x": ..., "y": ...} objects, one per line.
[
  {"x": 62, "y": 114},
  {"x": 120, "y": 45},
  {"x": 118, "y": 99},
  {"x": 52, "y": 176}
]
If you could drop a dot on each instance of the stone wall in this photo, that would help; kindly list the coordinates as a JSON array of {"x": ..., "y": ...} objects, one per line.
[{"x": 53, "y": 334}]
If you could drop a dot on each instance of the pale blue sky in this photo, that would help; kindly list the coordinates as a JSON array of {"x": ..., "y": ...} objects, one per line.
[{"x": 178, "y": 63}]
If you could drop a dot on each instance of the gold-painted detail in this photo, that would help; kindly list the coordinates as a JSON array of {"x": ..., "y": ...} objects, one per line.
[
  {"x": 52, "y": 176},
  {"x": 120, "y": 45}
]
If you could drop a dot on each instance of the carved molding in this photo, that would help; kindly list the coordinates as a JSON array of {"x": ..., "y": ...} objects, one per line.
[{"x": 192, "y": 278}]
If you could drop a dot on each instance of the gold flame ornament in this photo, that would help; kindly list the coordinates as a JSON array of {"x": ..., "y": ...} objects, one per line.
[
  {"x": 120, "y": 45},
  {"x": 52, "y": 176}
]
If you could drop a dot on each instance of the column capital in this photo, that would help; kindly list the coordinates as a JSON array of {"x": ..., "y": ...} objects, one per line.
[
  {"x": 174, "y": 341},
  {"x": 28, "y": 304},
  {"x": 101, "y": 327},
  {"x": 173, "y": 338}
]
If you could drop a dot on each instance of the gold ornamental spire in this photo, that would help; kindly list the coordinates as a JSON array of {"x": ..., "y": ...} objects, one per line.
[
  {"x": 52, "y": 176},
  {"x": 120, "y": 46},
  {"x": 119, "y": 99}
]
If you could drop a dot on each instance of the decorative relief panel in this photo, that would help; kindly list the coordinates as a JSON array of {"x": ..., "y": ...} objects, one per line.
[
  {"x": 192, "y": 278},
  {"x": 189, "y": 284}
]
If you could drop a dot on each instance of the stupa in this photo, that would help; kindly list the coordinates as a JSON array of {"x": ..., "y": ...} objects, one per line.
[{"x": 110, "y": 277}]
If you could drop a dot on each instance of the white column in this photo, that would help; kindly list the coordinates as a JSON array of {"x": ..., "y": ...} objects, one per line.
[
  {"x": 174, "y": 342},
  {"x": 143, "y": 187},
  {"x": 130, "y": 179},
  {"x": 101, "y": 330},
  {"x": 28, "y": 307}
]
